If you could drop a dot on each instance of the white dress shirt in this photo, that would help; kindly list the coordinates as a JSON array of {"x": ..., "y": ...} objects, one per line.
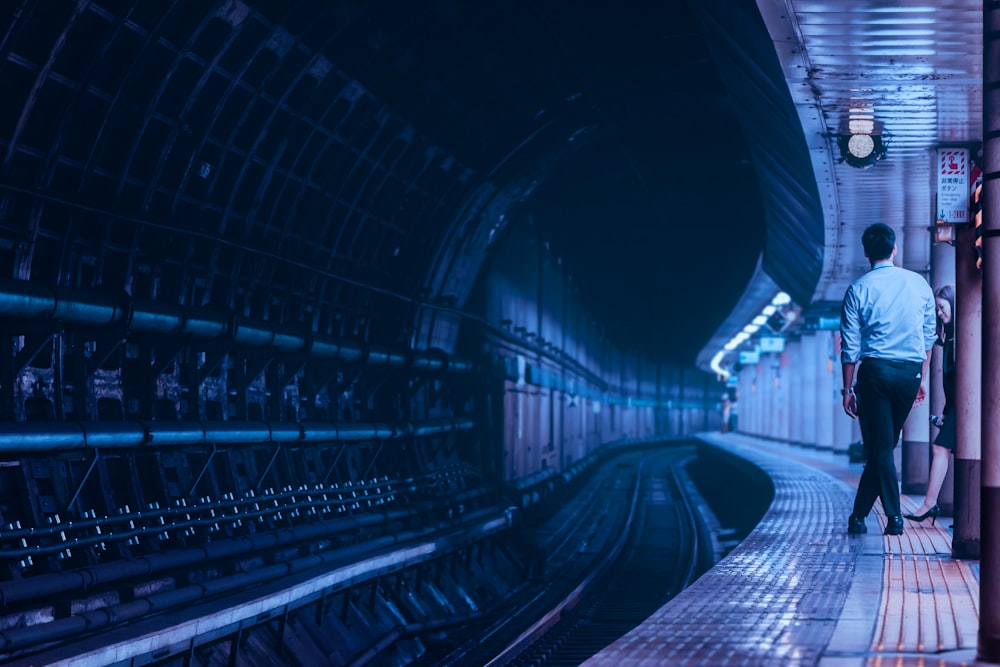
[{"x": 888, "y": 314}]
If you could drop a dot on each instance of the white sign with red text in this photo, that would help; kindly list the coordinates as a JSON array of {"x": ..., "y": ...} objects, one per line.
[{"x": 952, "y": 185}]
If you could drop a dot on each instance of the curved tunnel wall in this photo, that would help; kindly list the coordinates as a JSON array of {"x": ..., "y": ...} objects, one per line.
[
  {"x": 566, "y": 387},
  {"x": 234, "y": 155},
  {"x": 208, "y": 216}
]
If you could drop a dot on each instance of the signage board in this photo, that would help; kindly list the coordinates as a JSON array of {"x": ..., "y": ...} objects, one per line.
[
  {"x": 772, "y": 343},
  {"x": 953, "y": 170}
]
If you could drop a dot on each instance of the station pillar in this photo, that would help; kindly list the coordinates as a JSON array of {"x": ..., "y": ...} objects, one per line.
[
  {"x": 826, "y": 389},
  {"x": 988, "y": 648},
  {"x": 793, "y": 347},
  {"x": 969, "y": 336},
  {"x": 770, "y": 365},
  {"x": 772, "y": 360},
  {"x": 744, "y": 398},
  {"x": 760, "y": 420},
  {"x": 942, "y": 273},
  {"x": 778, "y": 361},
  {"x": 752, "y": 402},
  {"x": 842, "y": 429},
  {"x": 916, "y": 431},
  {"x": 810, "y": 375}
]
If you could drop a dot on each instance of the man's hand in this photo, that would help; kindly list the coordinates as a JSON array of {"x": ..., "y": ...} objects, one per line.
[
  {"x": 921, "y": 395},
  {"x": 851, "y": 405},
  {"x": 925, "y": 374}
]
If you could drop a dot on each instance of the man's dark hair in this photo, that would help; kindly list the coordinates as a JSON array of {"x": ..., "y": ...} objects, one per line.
[{"x": 878, "y": 241}]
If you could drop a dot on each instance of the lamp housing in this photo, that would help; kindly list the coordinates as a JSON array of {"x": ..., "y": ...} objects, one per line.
[{"x": 862, "y": 150}]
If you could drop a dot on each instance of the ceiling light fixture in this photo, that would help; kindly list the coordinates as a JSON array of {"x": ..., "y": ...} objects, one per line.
[
  {"x": 860, "y": 145},
  {"x": 861, "y": 149}
]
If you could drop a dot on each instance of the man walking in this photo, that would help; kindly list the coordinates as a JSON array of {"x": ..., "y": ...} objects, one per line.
[{"x": 887, "y": 325}]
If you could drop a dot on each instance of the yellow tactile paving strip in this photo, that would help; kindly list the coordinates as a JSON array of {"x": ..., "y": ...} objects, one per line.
[{"x": 930, "y": 601}]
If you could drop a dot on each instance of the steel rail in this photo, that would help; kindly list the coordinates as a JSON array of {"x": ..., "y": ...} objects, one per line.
[
  {"x": 552, "y": 616},
  {"x": 616, "y": 605},
  {"x": 566, "y": 566}
]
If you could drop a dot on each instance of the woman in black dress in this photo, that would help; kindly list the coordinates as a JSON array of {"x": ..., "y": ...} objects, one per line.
[{"x": 944, "y": 443}]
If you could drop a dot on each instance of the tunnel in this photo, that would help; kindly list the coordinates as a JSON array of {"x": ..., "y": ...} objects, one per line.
[{"x": 357, "y": 286}]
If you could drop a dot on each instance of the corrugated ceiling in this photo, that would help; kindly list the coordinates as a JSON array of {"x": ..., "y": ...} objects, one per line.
[
  {"x": 917, "y": 66},
  {"x": 915, "y": 69}
]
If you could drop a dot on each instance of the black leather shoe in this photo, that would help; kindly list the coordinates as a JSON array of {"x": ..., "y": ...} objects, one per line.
[
  {"x": 894, "y": 525},
  {"x": 856, "y": 525}
]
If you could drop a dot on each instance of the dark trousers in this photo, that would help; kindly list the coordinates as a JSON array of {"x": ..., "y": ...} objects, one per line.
[{"x": 885, "y": 392}]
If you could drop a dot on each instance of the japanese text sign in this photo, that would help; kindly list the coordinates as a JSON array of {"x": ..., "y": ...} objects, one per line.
[{"x": 952, "y": 185}]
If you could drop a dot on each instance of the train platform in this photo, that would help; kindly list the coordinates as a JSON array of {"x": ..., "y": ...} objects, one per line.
[{"x": 799, "y": 590}]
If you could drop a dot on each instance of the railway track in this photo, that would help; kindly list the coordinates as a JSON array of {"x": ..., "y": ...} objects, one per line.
[
  {"x": 660, "y": 561},
  {"x": 619, "y": 551},
  {"x": 340, "y": 562}
]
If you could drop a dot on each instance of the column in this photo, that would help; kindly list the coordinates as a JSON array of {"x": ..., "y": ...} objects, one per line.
[
  {"x": 810, "y": 374},
  {"x": 843, "y": 434},
  {"x": 779, "y": 362},
  {"x": 758, "y": 401},
  {"x": 793, "y": 348},
  {"x": 989, "y": 586},
  {"x": 968, "y": 398},
  {"x": 761, "y": 399},
  {"x": 767, "y": 366},
  {"x": 942, "y": 273},
  {"x": 916, "y": 449},
  {"x": 826, "y": 395},
  {"x": 744, "y": 397}
]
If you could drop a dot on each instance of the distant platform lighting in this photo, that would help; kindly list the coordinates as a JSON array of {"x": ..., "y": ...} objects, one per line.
[
  {"x": 716, "y": 365},
  {"x": 774, "y": 316}
]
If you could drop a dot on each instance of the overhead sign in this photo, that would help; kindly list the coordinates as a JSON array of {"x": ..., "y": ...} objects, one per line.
[
  {"x": 953, "y": 185},
  {"x": 772, "y": 343},
  {"x": 749, "y": 357}
]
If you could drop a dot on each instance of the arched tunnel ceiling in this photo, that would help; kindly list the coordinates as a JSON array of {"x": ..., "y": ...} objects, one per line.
[{"x": 289, "y": 158}]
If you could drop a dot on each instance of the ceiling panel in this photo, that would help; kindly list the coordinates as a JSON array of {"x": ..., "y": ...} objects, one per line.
[{"x": 915, "y": 69}]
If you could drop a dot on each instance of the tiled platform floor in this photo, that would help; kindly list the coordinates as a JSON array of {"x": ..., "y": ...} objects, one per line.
[{"x": 800, "y": 591}]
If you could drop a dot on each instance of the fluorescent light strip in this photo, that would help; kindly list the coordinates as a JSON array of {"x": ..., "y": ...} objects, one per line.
[{"x": 780, "y": 299}]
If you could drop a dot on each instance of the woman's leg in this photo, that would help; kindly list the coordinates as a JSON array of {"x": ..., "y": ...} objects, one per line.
[{"x": 939, "y": 468}]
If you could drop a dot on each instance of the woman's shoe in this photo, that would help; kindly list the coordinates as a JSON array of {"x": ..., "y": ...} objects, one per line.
[{"x": 932, "y": 513}]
